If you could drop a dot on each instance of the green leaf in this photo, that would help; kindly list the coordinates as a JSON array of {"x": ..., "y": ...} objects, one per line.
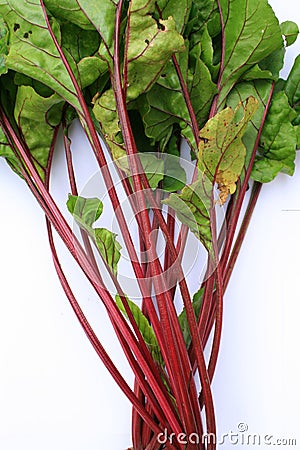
[
  {"x": 32, "y": 113},
  {"x": 150, "y": 46},
  {"x": 180, "y": 11},
  {"x": 277, "y": 149},
  {"x": 182, "y": 318},
  {"x": 273, "y": 63},
  {"x": 204, "y": 13},
  {"x": 297, "y": 129},
  {"x": 164, "y": 105},
  {"x": 3, "y": 45},
  {"x": 78, "y": 42},
  {"x": 32, "y": 51},
  {"x": 144, "y": 326},
  {"x": 175, "y": 175},
  {"x": 221, "y": 151},
  {"x": 292, "y": 88},
  {"x": 108, "y": 247},
  {"x": 192, "y": 207},
  {"x": 201, "y": 87},
  {"x": 69, "y": 10},
  {"x": 7, "y": 153},
  {"x": 259, "y": 89},
  {"x": 83, "y": 46},
  {"x": 252, "y": 32},
  {"x": 290, "y": 30},
  {"x": 105, "y": 111},
  {"x": 153, "y": 168},
  {"x": 256, "y": 73},
  {"x": 85, "y": 210},
  {"x": 102, "y": 15}
]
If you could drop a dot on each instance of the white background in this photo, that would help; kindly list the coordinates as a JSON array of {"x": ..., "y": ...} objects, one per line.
[{"x": 55, "y": 393}]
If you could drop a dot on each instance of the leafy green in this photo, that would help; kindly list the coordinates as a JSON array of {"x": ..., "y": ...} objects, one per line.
[
  {"x": 277, "y": 149},
  {"x": 102, "y": 16},
  {"x": 164, "y": 105},
  {"x": 30, "y": 108},
  {"x": 180, "y": 11},
  {"x": 221, "y": 150},
  {"x": 252, "y": 32},
  {"x": 260, "y": 90},
  {"x": 86, "y": 211},
  {"x": 109, "y": 247},
  {"x": 150, "y": 44},
  {"x": 69, "y": 10},
  {"x": 3, "y": 45},
  {"x": 143, "y": 326},
  {"x": 32, "y": 51},
  {"x": 292, "y": 89},
  {"x": 7, "y": 153},
  {"x": 193, "y": 206},
  {"x": 290, "y": 31}
]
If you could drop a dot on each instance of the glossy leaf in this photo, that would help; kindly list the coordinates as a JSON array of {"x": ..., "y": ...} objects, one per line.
[
  {"x": 144, "y": 327},
  {"x": 252, "y": 32},
  {"x": 277, "y": 149},
  {"x": 221, "y": 151}
]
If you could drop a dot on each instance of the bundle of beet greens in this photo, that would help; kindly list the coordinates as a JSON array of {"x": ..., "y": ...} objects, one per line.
[{"x": 145, "y": 78}]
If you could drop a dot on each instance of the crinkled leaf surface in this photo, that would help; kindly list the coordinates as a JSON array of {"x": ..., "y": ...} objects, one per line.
[
  {"x": 221, "y": 150},
  {"x": 144, "y": 327},
  {"x": 252, "y": 32},
  {"x": 150, "y": 45},
  {"x": 33, "y": 116},
  {"x": 164, "y": 105},
  {"x": 31, "y": 49},
  {"x": 277, "y": 149}
]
